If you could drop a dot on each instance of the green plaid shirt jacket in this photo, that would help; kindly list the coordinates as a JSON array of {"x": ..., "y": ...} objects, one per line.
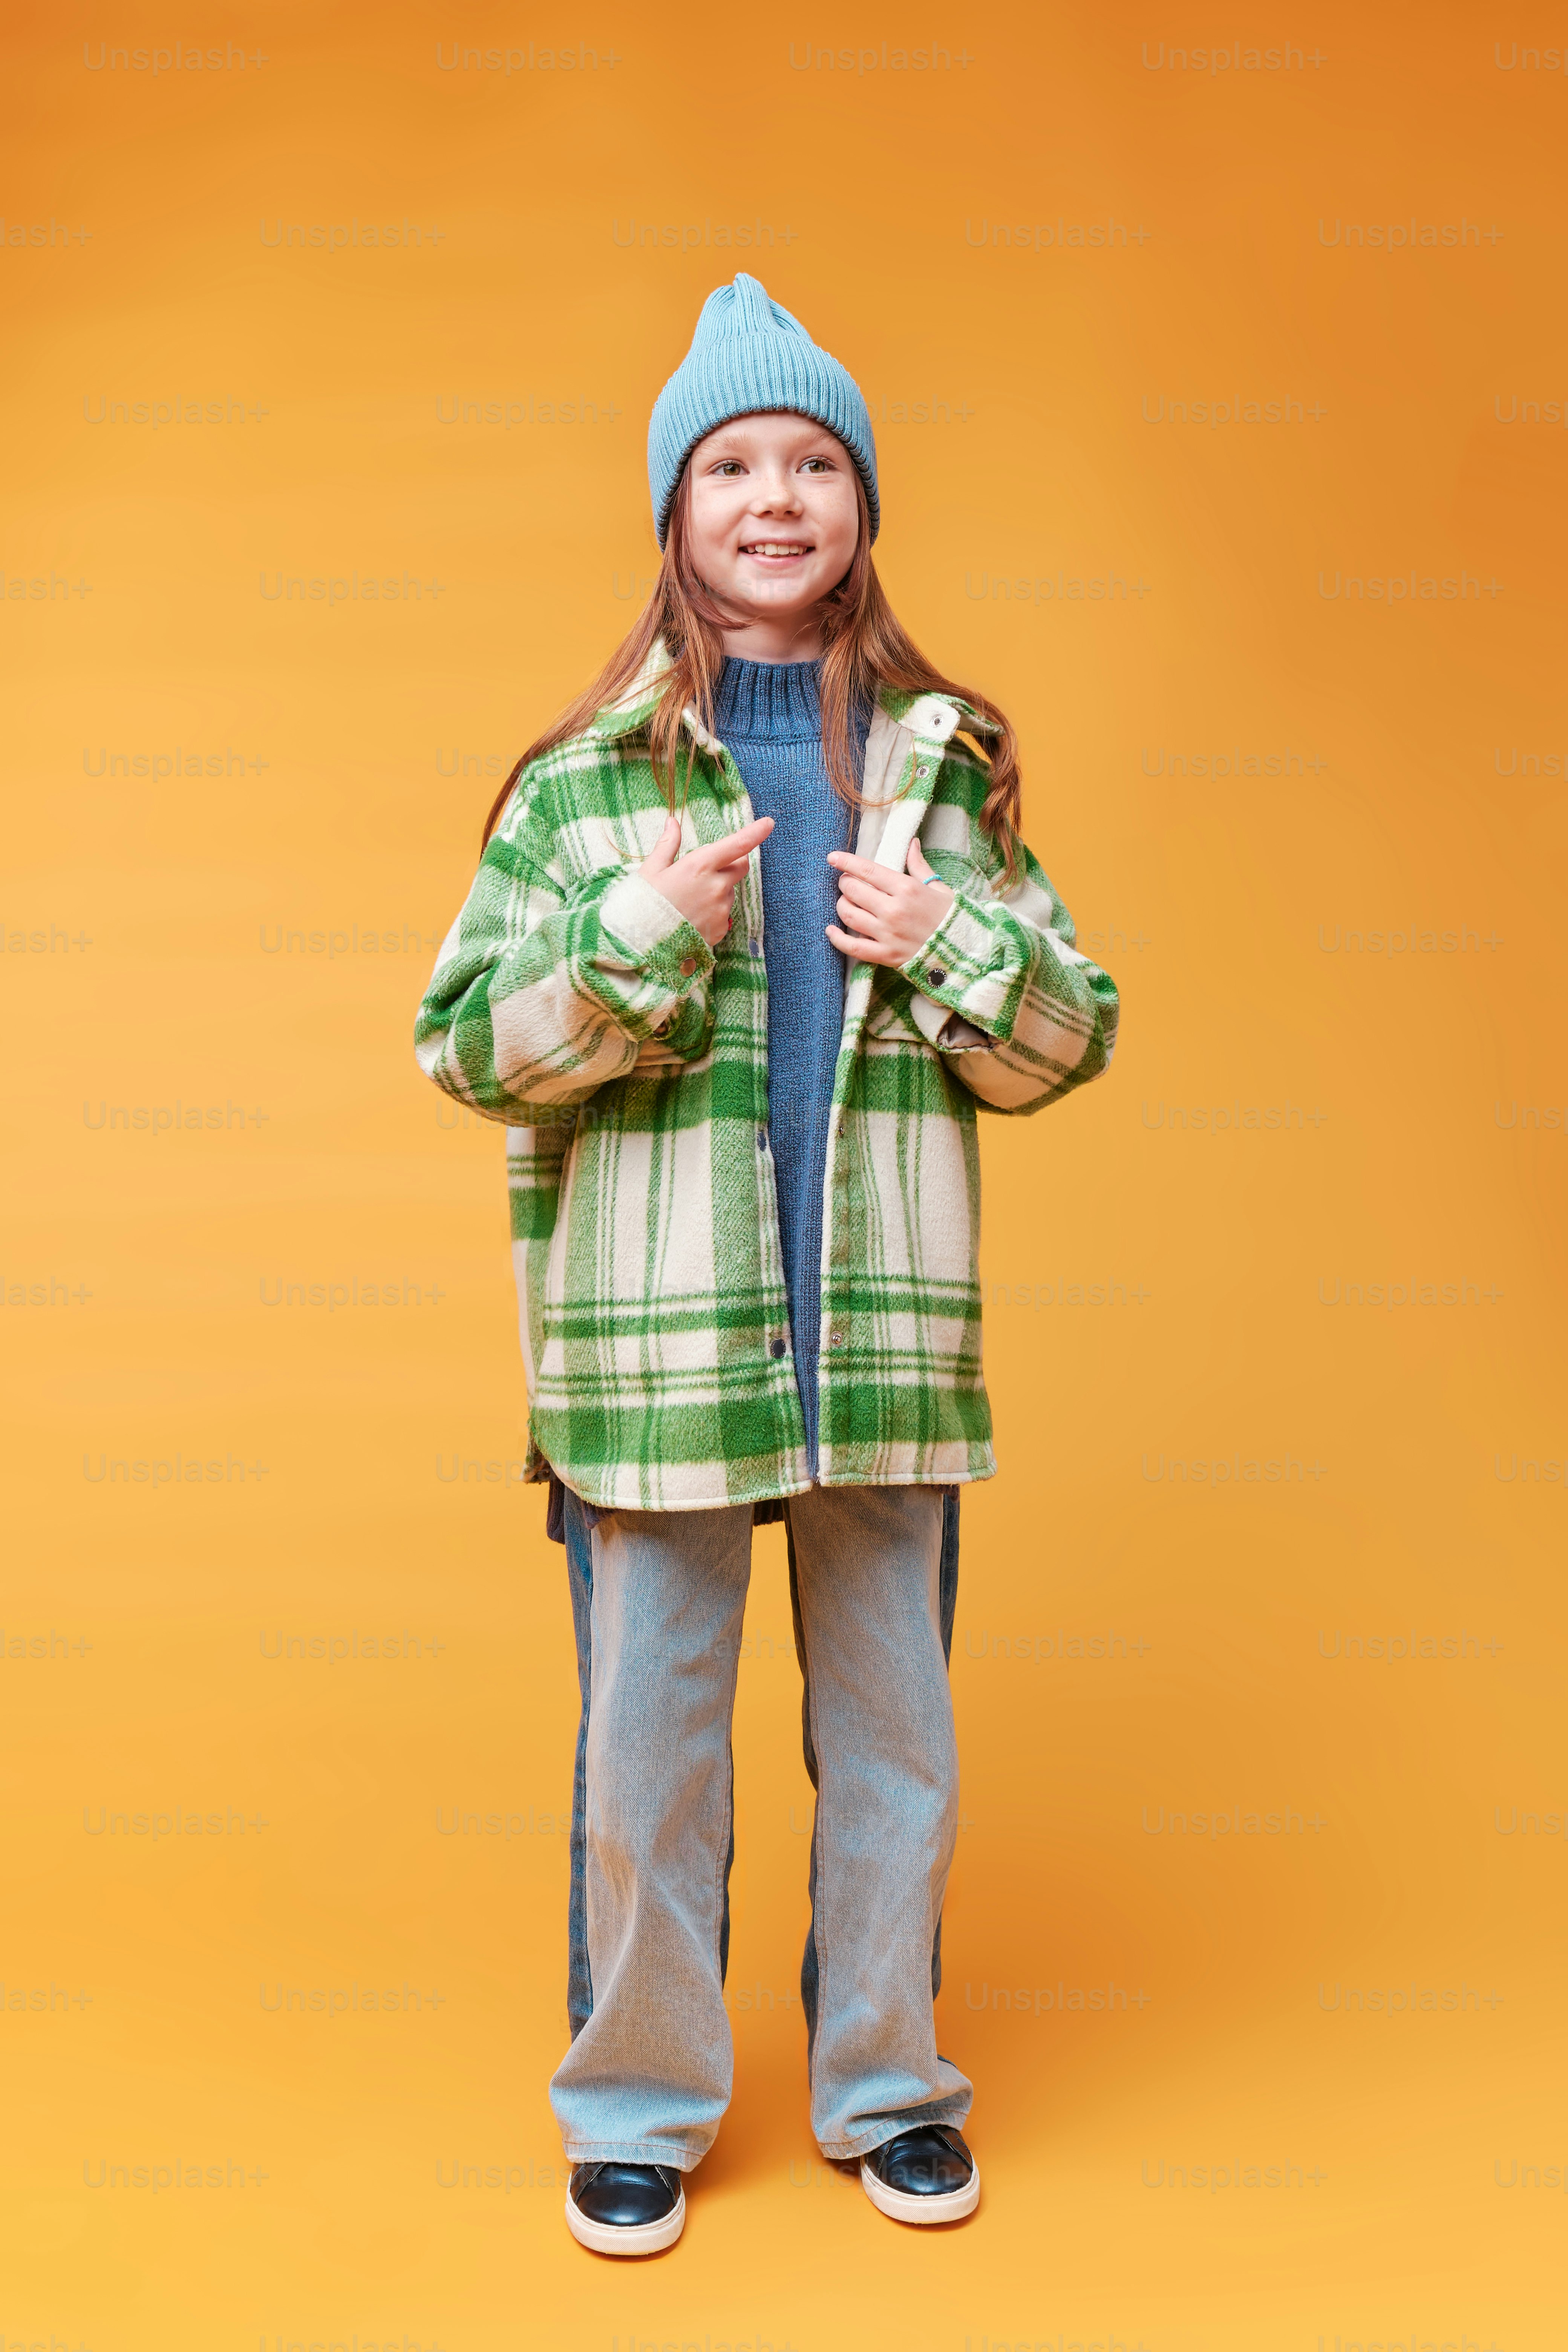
[{"x": 628, "y": 1060}]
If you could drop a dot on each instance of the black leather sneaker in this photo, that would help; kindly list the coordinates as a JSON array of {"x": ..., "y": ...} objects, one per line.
[
  {"x": 626, "y": 2208},
  {"x": 926, "y": 2175}
]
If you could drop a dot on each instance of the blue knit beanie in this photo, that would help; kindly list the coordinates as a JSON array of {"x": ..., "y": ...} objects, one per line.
[{"x": 750, "y": 353}]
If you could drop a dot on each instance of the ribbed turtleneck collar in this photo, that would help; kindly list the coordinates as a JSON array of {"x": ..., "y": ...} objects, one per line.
[{"x": 779, "y": 700}]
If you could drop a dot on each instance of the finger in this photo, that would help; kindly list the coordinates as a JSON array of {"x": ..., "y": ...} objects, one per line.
[
  {"x": 847, "y": 863},
  {"x": 916, "y": 861},
  {"x": 859, "y": 918},
  {"x": 862, "y": 950},
  {"x": 736, "y": 847},
  {"x": 862, "y": 894},
  {"x": 664, "y": 850}
]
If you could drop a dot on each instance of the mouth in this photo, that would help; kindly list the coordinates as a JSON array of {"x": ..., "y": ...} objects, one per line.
[{"x": 778, "y": 551}]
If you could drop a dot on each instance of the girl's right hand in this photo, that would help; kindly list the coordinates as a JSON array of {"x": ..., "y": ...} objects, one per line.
[{"x": 701, "y": 886}]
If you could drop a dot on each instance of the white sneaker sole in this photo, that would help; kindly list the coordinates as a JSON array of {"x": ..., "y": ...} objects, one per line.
[
  {"x": 921, "y": 2210},
  {"x": 647, "y": 2238}
]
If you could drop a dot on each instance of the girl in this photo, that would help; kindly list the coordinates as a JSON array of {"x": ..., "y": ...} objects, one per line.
[{"x": 752, "y": 937}]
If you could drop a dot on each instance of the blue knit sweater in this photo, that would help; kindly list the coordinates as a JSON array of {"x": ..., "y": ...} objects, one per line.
[{"x": 769, "y": 717}]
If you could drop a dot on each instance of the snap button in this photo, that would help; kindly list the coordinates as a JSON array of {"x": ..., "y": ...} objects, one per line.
[
  {"x": 937, "y": 977},
  {"x": 836, "y": 1338},
  {"x": 777, "y": 1350},
  {"x": 756, "y": 947},
  {"x": 689, "y": 965}
]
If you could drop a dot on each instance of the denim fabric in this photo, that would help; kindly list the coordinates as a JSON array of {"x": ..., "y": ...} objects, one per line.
[
  {"x": 577, "y": 1536},
  {"x": 658, "y": 1600}
]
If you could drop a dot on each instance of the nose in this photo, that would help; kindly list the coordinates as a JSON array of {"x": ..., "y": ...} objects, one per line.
[{"x": 778, "y": 494}]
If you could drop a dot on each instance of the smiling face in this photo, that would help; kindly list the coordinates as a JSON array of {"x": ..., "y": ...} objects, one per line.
[{"x": 771, "y": 524}]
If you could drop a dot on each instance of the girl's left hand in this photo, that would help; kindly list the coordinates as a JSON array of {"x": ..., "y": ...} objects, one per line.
[{"x": 890, "y": 916}]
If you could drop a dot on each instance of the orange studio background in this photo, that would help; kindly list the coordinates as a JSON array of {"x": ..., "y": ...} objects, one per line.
[{"x": 1219, "y": 370}]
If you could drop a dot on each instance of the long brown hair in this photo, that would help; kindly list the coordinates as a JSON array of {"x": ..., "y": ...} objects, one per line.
[{"x": 864, "y": 646}]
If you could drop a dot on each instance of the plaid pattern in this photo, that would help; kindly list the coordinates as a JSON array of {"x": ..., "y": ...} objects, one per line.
[{"x": 628, "y": 1060}]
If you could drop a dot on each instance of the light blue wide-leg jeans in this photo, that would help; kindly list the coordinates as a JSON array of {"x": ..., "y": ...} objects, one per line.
[{"x": 657, "y": 1601}]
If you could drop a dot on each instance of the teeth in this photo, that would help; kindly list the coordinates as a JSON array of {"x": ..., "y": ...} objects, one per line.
[{"x": 775, "y": 547}]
